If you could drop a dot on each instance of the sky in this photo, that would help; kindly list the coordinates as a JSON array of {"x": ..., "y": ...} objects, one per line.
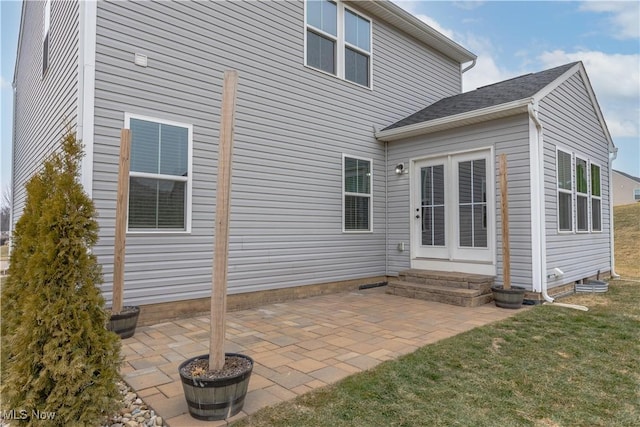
[{"x": 509, "y": 38}]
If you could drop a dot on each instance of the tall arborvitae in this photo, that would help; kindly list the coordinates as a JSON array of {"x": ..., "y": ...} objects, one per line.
[{"x": 58, "y": 357}]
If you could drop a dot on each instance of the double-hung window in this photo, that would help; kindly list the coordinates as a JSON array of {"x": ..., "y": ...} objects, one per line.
[
  {"x": 579, "y": 185},
  {"x": 357, "y": 200},
  {"x": 596, "y": 199},
  {"x": 160, "y": 175},
  {"x": 565, "y": 191},
  {"x": 582, "y": 195},
  {"x": 338, "y": 41}
]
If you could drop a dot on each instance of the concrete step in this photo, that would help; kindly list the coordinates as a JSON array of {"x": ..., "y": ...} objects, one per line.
[
  {"x": 448, "y": 279},
  {"x": 442, "y": 294}
]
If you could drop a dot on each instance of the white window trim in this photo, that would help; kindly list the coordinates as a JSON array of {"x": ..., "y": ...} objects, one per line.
[
  {"x": 188, "y": 179},
  {"x": 341, "y": 43},
  {"x": 562, "y": 190},
  {"x": 345, "y": 193},
  {"x": 592, "y": 197},
  {"x": 577, "y": 194}
]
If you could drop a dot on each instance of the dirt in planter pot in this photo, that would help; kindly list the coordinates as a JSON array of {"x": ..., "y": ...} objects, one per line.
[
  {"x": 125, "y": 310},
  {"x": 233, "y": 365}
]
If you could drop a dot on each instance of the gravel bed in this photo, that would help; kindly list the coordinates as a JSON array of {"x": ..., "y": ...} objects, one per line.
[{"x": 134, "y": 412}]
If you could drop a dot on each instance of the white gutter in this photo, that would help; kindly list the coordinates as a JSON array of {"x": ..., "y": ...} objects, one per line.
[
  {"x": 613, "y": 150},
  {"x": 540, "y": 218},
  {"x": 473, "y": 64}
]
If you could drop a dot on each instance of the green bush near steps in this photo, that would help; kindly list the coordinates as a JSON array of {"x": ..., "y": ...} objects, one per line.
[{"x": 57, "y": 356}]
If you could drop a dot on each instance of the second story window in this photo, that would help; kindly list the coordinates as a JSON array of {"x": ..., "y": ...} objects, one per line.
[
  {"x": 45, "y": 36},
  {"x": 338, "y": 41}
]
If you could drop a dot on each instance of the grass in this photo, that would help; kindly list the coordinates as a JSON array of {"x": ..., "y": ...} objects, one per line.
[
  {"x": 627, "y": 239},
  {"x": 548, "y": 366}
]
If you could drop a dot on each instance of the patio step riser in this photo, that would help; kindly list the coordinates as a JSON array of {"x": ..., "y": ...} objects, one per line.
[
  {"x": 445, "y": 279},
  {"x": 459, "y": 297},
  {"x": 466, "y": 290}
]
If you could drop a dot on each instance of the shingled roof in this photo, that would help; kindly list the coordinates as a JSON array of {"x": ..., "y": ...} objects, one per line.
[{"x": 503, "y": 92}]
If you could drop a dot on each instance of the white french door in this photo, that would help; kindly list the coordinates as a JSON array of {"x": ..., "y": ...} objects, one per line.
[{"x": 453, "y": 208}]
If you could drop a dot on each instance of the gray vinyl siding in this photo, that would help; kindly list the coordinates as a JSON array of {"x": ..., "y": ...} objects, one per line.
[
  {"x": 293, "y": 124},
  {"x": 44, "y": 105},
  {"x": 508, "y": 135},
  {"x": 570, "y": 123}
]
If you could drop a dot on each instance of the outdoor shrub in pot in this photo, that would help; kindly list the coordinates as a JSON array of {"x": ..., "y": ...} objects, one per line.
[{"x": 58, "y": 357}]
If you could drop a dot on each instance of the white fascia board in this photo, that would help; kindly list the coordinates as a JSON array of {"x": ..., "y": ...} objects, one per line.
[
  {"x": 398, "y": 17},
  {"x": 463, "y": 119},
  {"x": 15, "y": 66},
  {"x": 578, "y": 68}
]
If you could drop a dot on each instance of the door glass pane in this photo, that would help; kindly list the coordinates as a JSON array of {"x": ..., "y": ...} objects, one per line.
[
  {"x": 472, "y": 197},
  {"x": 432, "y": 209},
  {"x": 438, "y": 184},
  {"x": 464, "y": 182},
  {"x": 438, "y": 226},
  {"x": 466, "y": 226},
  {"x": 427, "y": 226},
  {"x": 479, "y": 226}
]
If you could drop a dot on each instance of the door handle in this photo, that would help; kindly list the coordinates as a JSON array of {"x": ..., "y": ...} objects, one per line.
[{"x": 418, "y": 216}]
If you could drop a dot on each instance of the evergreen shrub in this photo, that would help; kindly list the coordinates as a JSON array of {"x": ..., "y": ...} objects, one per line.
[{"x": 58, "y": 357}]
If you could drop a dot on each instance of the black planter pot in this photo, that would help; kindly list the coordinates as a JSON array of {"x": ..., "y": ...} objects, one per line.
[
  {"x": 508, "y": 298},
  {"x": 124, "y": 323},
  {"x": 215, "y": 399}
]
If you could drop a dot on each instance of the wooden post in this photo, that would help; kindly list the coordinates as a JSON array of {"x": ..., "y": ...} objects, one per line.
[
  {"x": 504, "y": 206},
  {"x": 121, "y": 221},
  {"x": 223, "y": 203}
]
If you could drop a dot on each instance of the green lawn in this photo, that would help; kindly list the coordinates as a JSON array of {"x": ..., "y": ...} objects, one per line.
[{"x": 549, "y": 366}]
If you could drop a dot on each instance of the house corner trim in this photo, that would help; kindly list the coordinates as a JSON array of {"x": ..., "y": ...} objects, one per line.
[{"x": 88, "y": 14}]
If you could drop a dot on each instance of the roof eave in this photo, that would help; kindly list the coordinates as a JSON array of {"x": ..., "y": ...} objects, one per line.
[
  {"x": 395, "y": 15},
  {"x": 457, "y": 120}
]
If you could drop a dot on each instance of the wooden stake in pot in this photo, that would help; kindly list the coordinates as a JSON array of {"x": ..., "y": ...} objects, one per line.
[
  {"x": 121, "y": 221},
  {"x": 504, "y": 206},
  {"x": 223, "y": 203}
]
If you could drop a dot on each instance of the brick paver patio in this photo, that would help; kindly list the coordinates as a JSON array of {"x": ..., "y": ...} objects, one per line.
[{"x": 297, "y": 346}]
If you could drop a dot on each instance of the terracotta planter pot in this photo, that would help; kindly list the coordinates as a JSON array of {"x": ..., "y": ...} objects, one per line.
[
  {"x": 215, "y": 399},
  {"x": 124, "y": 323},
  {"x": 508, "y": 298}
]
